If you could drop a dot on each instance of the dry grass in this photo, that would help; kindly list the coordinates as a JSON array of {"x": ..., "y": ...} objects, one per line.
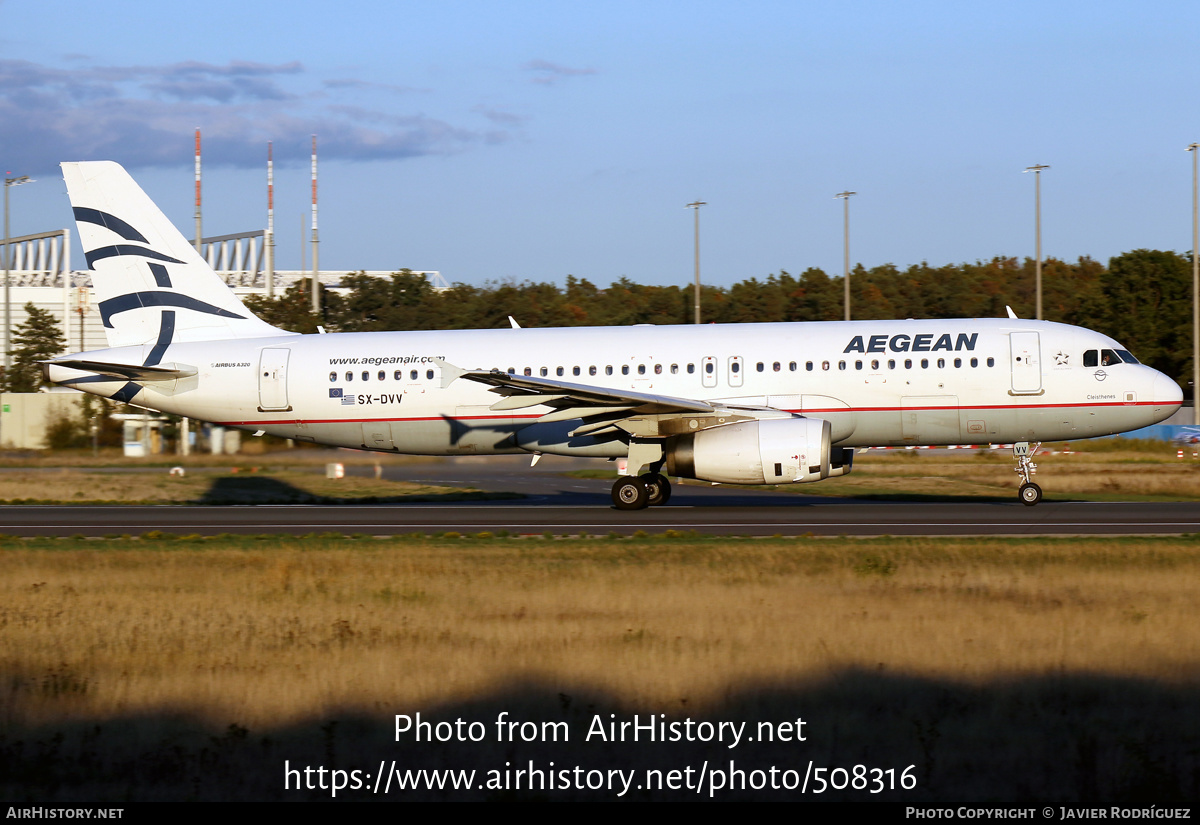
[
  {"x": 254, "y": 451},
  {"x": 270, "y": 635},
  {"x": 1049, "y": 669},
  {"x": 80, "y": 486},
  {"x": 1106, "y": 470}
]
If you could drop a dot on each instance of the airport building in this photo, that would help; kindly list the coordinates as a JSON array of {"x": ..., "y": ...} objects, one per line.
[{"x": 40, "y": 273}]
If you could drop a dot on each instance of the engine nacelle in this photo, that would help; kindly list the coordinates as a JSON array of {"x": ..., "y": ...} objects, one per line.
[{"x": 772, "y": 451}]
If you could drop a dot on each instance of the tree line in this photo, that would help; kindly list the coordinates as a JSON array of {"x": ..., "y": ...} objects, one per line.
[{"x": 1142, "y": 298}]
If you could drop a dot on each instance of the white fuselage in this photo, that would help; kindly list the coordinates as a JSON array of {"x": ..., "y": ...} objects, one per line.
[{"x": 879, "y": 383}]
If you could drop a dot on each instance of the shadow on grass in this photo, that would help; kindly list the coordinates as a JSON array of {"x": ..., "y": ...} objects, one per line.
[
  {"x": 1075, "y": 739},
  {"x": 260, "y": 489}
]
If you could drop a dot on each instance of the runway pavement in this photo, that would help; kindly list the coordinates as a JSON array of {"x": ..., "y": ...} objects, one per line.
[{"x": 565, "y": 505}]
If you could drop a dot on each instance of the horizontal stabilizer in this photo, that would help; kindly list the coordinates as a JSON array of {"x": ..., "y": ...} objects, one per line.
[{"x": 127, "y": 372}]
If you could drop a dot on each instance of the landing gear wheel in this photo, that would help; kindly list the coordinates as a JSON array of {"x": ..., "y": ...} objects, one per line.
[
  {"x": 658, "y": 487},
  {"x": 630, "y": 494},
  {"x": 1030, "y": 494}
]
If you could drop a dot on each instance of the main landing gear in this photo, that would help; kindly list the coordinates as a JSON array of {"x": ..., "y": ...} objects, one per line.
[
  {"x": 637, "y": 493},
  {"x": 1030, "y": 494}
]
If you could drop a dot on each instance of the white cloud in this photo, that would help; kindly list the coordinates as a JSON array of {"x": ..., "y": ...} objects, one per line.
[
  {"x": 547, "y": 73},
  {"x": 145, "y": 116}
]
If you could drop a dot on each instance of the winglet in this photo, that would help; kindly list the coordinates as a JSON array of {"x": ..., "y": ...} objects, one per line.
[
  {"x": 450, "y": 373},
  {"x": 514, "y": 323},
  {"x": 1011, "y": 314}
]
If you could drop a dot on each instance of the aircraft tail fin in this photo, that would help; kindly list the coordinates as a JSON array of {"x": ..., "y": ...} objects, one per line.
[{"x": 151, "y": 285}]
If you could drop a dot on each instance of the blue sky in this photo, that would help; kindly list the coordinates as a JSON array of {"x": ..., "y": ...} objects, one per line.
[{"x": 532, "y": 140}]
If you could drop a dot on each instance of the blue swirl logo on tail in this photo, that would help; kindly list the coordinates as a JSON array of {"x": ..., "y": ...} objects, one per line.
[{"x": 145, "y": 299}]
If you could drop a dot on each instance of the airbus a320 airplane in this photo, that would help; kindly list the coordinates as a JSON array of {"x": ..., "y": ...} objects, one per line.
[{"x": 737, "y": 403}]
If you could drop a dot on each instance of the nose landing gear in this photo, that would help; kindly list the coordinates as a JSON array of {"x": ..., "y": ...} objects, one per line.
[{"x": 1029, "y": 493}]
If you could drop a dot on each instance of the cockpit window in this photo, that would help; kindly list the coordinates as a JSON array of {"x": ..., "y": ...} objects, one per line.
[{"x": 1108, "y": 357}]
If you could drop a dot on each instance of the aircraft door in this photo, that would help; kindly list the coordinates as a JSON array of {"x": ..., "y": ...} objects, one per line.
[
  {"x": 735, "y": 370},
  {"x": 708, "y": 371},
  {"x": 272, "y": 379},
  {"x": 1025, "y": 349}
]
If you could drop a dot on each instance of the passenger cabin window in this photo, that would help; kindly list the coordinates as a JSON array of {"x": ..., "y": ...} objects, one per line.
[
  {"x": 591, "y": 370},
  {"x": 708, "y": 368},
  {"x": 575, "y": 371},
  {"x": 382, "y": 375},
  {"x": 412, "y": 375},
  {"x": 674, "y": 369},
  {"x": 332, "y": 377},
  {"x": 808, "y": 366},
  {"x": 792, "y": 366},
  {"x": 608, "y": 370},
  {"x": 691, "y": 368},
  {"x": 624, "y": 369},
  {"x": 991, "y": 362},
  {"x": 366, "y": 375},
  {"x": 529, "y": 371},
  {"x": 349, "y": 375},
  {"x": 429, "y": 374},
  {"x": 824, "y": 365},
  {"x": 759, "y": 366},
  {"x": 398, "y": 375}
]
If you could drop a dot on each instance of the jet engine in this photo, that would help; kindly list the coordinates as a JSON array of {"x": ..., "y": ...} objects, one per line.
[{"x": 770, "y": 451}]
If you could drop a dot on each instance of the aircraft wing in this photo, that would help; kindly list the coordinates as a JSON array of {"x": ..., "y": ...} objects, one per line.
[{"x": 602, "y": 409}]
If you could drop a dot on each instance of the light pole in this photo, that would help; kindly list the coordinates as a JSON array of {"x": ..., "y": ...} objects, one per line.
[
  {"x": 1194, "y": 148},
  {"x": 7, "y": 257},
  {"x": 695, "y": 207},
  {"x": 1037, "y": 211},
  {"x": 845, "y": 196}
]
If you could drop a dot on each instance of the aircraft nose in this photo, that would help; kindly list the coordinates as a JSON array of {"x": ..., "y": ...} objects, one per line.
[{"x": 1166, "y": 392}]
